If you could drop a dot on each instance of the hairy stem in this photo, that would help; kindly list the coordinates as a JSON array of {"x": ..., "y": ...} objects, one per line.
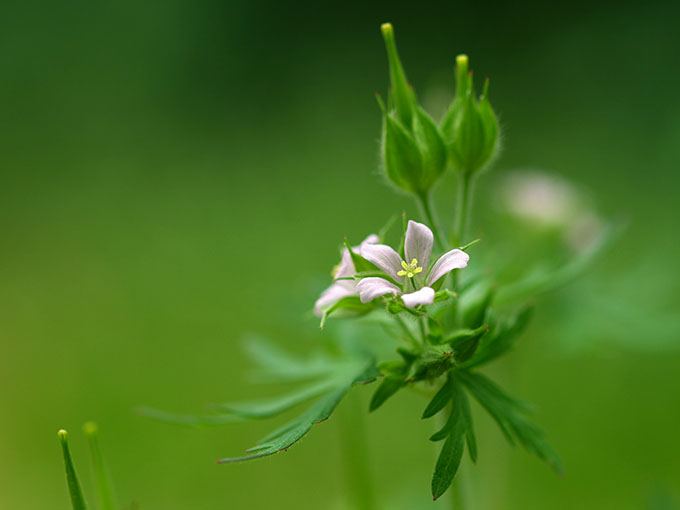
[{"x": 355, "y": 455}]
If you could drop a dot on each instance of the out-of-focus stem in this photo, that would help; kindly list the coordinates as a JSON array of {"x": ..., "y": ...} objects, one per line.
[
  {"x": 460, "y": 226},
  {"x": 427, "y": 212},
  {"x": 465, "y": 187},
  {"x": 355, "y": 454}
]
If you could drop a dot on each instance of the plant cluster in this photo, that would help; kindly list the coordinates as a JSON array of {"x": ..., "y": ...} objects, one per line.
[{"x": 446, "y": 321}]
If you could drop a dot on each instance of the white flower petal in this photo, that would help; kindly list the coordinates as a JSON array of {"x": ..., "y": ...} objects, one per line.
[
  {"x": 371, "y": 239},
  {"x": 346, "y": 267},
  {"x": 454, "y": 259},
  {"x": 332, "y": 295},
  {"x": 373, "y": 287},
  {"x": 418, "y": 244},
  {"x": 384, "y": 257},
  {"x": 424, "y": 296}
]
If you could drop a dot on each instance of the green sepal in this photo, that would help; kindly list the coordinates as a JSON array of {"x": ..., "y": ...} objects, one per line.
[
  {"x": 470, "y": 126},
  {"x": 402, "y": 93},
  {"x": 465, "y": 342},
  {"x": 431, "y": 363},
  {"x": 402, "y": 159},
  {"x": 443, "y": 295},
  {"x": 360, "y": 263},
  {"x": 349, "y": 305},
  {"x": 432, "y": 148},
  {"x": 394, "y": 307},
  {"x": 74, "y": 488}
]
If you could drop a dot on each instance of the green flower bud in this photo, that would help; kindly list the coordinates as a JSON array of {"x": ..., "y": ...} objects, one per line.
[
  {"x": 470, "y": 126},
  {"x": 413, "y": 150}
]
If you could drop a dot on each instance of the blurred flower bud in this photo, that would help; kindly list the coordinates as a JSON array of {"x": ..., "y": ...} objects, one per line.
[
  {"x": 413, "y": 151},
  {"x": 470, "y": 127}
]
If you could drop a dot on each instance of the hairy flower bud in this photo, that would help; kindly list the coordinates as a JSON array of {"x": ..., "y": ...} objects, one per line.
[
  {"x": 413, "y": 150},
  {"x": 470, "y": 127}
]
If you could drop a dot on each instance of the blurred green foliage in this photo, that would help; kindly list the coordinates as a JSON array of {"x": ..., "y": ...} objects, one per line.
[{"x": 164, "y": 165}]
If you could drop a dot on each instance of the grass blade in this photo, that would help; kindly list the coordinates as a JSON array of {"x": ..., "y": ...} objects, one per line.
[
  {"x": 107, "y": 500},
  {"x": 76, "y": 493}
]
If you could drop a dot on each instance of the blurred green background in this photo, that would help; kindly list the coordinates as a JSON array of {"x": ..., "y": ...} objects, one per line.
[{"x": 176, "y": 174}]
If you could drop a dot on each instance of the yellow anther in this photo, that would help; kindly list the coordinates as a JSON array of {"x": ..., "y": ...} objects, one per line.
[{"x": 411, "y": 269}]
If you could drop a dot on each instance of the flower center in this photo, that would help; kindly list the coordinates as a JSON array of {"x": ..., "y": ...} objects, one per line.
[{"x": 411, "y": 269}]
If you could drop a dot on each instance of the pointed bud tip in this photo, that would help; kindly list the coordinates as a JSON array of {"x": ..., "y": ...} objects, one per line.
[
  {"x": 62, "y": 434},
  {"x": 462, "y": 60},
  {"x": 387, "y": 29}
]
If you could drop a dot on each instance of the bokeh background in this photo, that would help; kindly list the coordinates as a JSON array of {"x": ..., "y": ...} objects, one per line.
[{"x": 176, "y": 174}]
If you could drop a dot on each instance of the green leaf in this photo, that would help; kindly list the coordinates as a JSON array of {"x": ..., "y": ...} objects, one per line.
[
  {"x": 273, "y": 406},
  {"x": 389, "y": 386},
  {"x": 466, "y": 417},
  {"x": 278, "y": 365},
  {"x": 293, "y": 431},
  {"x": 537, "y": 283},
  {"x": 510, "y": 414},
  {"x": 107, "y": 500},
  {"x": 189, "y": 420},
  {"x": 74, "y": 489},
  {"x": 475, "y": 303},
  {"x": 447, "y": 464},
  {"x": 439, "y": 401},
  {"x": 502, "y": 339},
  {"x": 454, "y": 431},
  {"x": 357, "y": 372}
]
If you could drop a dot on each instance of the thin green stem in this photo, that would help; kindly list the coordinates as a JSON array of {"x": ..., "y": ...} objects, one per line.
[
  {"x": 464, "y": 204},
  {"x": 462, "y": 219},
  {"x": 427, "y": 212},
  {"x": 355, "y": 453},
  {"x": 423, "y": 332}
]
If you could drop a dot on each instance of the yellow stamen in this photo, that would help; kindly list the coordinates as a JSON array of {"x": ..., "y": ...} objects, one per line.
[{"x": 411, "y": 269}]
